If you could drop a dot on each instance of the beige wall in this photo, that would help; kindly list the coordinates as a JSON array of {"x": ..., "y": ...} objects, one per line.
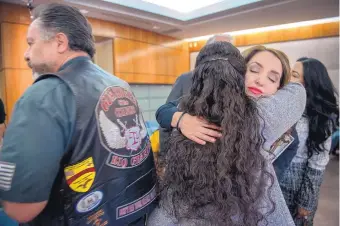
[{"x": 104, "y": 55}]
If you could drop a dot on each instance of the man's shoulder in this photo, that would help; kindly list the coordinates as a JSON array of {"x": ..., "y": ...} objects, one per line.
[
  {"x": 185, "y": 80},
  {"x": 45, "y": 88},
  {"x": 186, "y": 76}
]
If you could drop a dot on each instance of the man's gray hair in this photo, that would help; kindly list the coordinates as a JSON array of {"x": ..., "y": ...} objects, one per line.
[
  {"x": 221, "y": 38},
  {"x": 54, "y": 17}
]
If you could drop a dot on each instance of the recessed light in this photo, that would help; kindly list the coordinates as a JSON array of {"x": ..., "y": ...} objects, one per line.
[
  {"x": 155, "y": 27},
  {"x": 84, "y": 11}
]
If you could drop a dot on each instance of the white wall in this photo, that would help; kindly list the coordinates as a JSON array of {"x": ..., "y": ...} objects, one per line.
[
  {"x": 150, "y": 98},
  {"x": 324, "y": 49}
]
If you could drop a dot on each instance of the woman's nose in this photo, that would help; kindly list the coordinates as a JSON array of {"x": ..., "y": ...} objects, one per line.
[{"x": 259, "y": 81}]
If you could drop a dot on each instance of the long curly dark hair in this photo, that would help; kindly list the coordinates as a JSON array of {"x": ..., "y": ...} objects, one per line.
[
  {"x": 321, "y": 108},
  {"x": 223, "y": 182}
]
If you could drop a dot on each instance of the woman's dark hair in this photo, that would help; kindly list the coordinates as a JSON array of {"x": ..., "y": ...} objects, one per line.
[
  {"x": 321, "y": 108},
  {"x": 229, "y": 175},
  {"x": 55, "y": 17}
]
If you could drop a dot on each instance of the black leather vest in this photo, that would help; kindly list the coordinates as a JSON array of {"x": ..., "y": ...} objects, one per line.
[{"x": 107, "y": 176}]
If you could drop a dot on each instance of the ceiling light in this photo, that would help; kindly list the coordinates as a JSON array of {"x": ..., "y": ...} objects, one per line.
[
  {"x": 83, "y": 11},
  {"x": 271, "y": 28},
  {"x": 183, "y": 6},
  {"x": 155, "y": 27}
]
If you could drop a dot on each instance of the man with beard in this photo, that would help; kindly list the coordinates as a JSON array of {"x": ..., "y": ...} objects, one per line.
[{"x": 76, "y": 151}]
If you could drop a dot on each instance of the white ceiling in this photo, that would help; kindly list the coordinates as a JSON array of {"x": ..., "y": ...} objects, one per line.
[
  {"x": 208, "y": 21},
  {"x": 181, "y": 10}
]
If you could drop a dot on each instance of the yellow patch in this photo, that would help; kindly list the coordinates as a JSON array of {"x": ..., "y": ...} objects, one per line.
[
  {"x": 80, "y": 176},
  {"x": 154, "y": 139}
]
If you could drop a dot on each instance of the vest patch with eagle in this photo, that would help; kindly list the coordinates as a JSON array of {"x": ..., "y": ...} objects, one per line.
[{"x": 121, "y": 128}]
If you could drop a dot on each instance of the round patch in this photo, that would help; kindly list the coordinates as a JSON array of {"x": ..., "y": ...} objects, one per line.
[
  {"x": 89, "y": 202},
  {"x": 121, "y": 128}
]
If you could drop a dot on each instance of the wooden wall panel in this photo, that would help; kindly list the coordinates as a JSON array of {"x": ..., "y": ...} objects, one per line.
[
  {"x": 13, "y": 45},
  {"x": 14, "y": 14},
  {"x": 290, "y": 34},
  {"x": 17, "y": 81},
  {"x": 135, "y": 59},
  {"x": 114, "y": 30},
  {"x": 15, "y": 74},
  {"x": 147, "y": 78},
  {"x": 300, "y": 33},
  {"x": 104, "y": 55}
]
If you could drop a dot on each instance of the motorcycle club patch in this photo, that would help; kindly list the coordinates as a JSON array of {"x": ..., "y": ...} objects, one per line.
[
  {"x": 121, "y": 128},
  {"x": 80, "y": 176}
]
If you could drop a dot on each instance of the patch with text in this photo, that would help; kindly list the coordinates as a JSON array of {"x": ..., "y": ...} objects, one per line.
[
  {"x": 98, "y": 219},
  {"x": 138, "y": 204},
  {"x": 121, "y": 128}
]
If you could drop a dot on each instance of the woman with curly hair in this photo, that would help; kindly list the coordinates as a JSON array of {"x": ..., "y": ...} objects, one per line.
[
  {"x": 302, "y": 180},
  {"x": 280, "y": 101},
  {"x": 228, "y": 182}
]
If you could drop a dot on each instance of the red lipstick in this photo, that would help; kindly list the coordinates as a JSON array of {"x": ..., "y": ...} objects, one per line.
[{"x": 255, "y": 91}]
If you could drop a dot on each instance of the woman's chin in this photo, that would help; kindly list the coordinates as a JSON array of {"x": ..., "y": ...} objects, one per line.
[{"x": 250, "y": 94}]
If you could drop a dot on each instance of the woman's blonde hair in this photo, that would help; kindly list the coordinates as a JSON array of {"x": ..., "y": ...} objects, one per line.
[{"x": 249, "y": 53}]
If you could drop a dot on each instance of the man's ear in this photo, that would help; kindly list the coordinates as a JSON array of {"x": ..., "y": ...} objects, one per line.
[{"x": 62, "y": 42}]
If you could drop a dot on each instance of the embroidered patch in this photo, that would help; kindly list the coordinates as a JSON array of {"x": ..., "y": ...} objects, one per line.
[
  {"x": 7, "y": 170},
  {"x": 121, "y": 128},
  {"x": 80, "y": 176},
  {"x": 89, "y": 202},
  {"x": 99, "y": 218},
  {"x": 138, "y": 204}
]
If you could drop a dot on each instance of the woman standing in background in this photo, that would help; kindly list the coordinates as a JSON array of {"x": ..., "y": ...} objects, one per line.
[{"x": 301, "y": 181}]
